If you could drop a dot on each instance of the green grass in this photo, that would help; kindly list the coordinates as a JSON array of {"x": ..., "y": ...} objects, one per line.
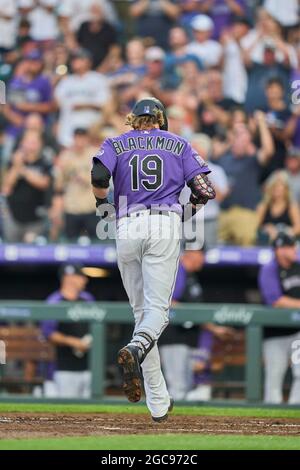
[
  {"x": 138, "y": 409},
  {"x": 157, "y": 442}
]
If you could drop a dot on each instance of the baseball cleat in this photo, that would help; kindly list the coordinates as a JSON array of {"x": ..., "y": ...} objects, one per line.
[
  {"x": 163, "y": 418},
  {"x": 128, "y": 359}
]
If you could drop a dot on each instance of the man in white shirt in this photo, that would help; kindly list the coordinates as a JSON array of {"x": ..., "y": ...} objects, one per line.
[
  {"x": 44, "y": 21},
  {"x": 80, "y": 97},
  {"x": 78, "y": 11},
  {"x": 206, "y": 49},
  {"x": 8, "y": 30},
  {"x": 235, "y": 79},
  {"x": 286, "y": 12}
]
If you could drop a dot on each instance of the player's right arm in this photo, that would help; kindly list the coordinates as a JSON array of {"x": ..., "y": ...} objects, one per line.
[{"x": 103, "y": 167}]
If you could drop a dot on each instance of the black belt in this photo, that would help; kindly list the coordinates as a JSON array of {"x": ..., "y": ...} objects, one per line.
[{"x": 151, "y": 212}]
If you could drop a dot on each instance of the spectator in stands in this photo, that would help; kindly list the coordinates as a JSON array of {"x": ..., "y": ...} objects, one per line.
[
  {"x": 26, "y": 185},
  {"x": 206, "y": 49},
  {"x": 8, "y": 11},
  {"x": 279, "y": 283},
  {"x": 73, "y": 13},
  {"x": 242, "y": 164},
  {"x": 28, "y": 92},
  {"x": 286, "y": 13},
  {"x": 97, "y": 35},
  {"x": 214, "y": 109},
  {"x": 178, "y": 40},
  {"x": 80, "y": 97},
  {"x": 73, "y": 199},
  {"x": 178, "y": 121},
  {"x": 278, "y": 116},
  {"x": 43, "y": 20},
  {"x": 71, "y": 377},
  {"x": 293, "y": 168},
  {"x": 278, "y": 210},
  {"x": 203, "y": 145},
  {"x": 154, "y": 18},
  {"x": 235, "y": 79},
  {"x": 34, "y": 122}
]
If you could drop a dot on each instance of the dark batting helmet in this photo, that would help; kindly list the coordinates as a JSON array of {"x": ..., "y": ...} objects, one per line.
[{"x": 149, "y": 107}]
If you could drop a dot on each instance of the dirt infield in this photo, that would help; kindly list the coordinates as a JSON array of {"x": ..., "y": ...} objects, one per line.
[{"x": 39, "y": 425}]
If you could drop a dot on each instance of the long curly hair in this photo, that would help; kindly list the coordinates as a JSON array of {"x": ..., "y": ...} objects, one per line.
[{"x": 145, "y": 122}]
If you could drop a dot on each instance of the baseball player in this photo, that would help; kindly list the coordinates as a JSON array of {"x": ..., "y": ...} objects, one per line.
[{"x": 149, "y": 167}]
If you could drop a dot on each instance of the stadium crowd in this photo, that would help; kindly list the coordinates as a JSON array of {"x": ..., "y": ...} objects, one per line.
[{"x": 227, "y": 71}]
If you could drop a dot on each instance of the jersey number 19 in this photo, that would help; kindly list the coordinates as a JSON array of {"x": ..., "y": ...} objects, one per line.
[{"x": 147, "y": 172}]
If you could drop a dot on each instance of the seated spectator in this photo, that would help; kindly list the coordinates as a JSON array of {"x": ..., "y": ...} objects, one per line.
[
  {"x": 154, "y": 18},
  {"x": 243, "y": 164},
  {"x": 206, "y": 49},
  {"x": 278, "y": 211},
  {"x": 26, "y": 186},
  {"x": 70, "y": 376},
  {"x": 292, "y": 165},
  {"x": 80, "y": 97},
  {"x": 97, "y": 36},
  {"x": 28, "y": 92},
  {"x": 279, "y": 282},
  {"x": 74, "y": 200}
]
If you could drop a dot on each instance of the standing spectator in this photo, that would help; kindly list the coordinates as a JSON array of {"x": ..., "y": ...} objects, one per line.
[
  {"x": 293, "y": 167},
  {"x": 28, "y": 92},
  {"x": 97, "y": 36},
  {"x": 278, "y": 116},
  {"x": 206, "y": 49},
  {"x": 154, "y": 18},
  {"x": 26, "y": 185},
  {"x": 75, "y": 12},
  {"x": 243, "y": 164},
  {"x": 71, "y": 377},
  {"x": 80, "y": 97},
  {"x": 44, "y": 22},
  {"x": 203, "y": 145},
  {"x": 278, "y": 210},
  {"x": 8, "y": 27},
  {"x": 223, "y": 13},
  {"x": 73, "y": 197},
  {"x": 279, "y": 283},
  {"x": 235, "y": 80},
  {"x": 286, "y": 13}
]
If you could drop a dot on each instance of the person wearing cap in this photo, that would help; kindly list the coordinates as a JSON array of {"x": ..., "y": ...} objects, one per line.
[
  {"x": 80, "y": 97},
  {"x": 73, "y": 202},
  {"x": 29, "y": 91},
  {"x": 279, "y": 283},
  {"x": 206, "y": 49},
  {"x": 70, "y": 376},
  {"x": 154, "y": 18},
  {"x": 292, "y": 164}
]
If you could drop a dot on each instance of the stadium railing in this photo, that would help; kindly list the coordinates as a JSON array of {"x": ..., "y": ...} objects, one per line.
[{"x": 251, "y": 317}]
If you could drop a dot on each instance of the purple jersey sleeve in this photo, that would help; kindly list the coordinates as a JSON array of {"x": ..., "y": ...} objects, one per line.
[
  {"x": 269, "y": 283},
  {"x": 193, "y": 164},
  {"x": 107, "y": 155}
]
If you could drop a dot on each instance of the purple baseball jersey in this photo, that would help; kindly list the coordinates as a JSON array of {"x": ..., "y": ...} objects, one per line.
[{"x": 150, "y": 168}]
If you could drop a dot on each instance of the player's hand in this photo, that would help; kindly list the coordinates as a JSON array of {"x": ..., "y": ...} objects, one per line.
[
  {"x": 224, "y": 333},
  {"x": 78, "y": 344}
]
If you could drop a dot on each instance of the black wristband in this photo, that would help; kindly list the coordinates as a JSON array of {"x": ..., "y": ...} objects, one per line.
[{"x": 99, "y": 201}]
